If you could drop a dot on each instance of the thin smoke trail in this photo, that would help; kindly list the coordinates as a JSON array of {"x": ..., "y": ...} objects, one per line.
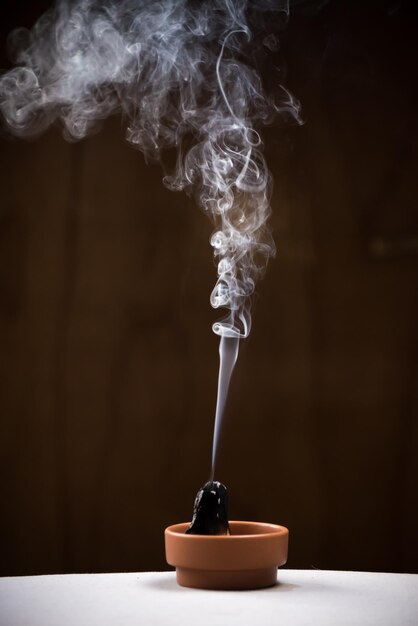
[
  {"x": 228, "y": 354},
  {"x": 181, "y": 74}
]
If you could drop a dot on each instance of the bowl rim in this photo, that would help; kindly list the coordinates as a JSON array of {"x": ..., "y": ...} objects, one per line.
[{"x": 274, "y": 530}]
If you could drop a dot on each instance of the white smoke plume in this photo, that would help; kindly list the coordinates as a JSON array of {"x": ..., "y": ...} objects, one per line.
[{"x": 180, "y": 73}]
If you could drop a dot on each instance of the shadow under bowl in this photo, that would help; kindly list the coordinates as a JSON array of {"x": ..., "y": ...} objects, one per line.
[{"x": 248, "y": 558}]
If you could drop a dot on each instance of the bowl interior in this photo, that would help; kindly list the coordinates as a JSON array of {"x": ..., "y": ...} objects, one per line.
[{"x": 237, "y": 529}]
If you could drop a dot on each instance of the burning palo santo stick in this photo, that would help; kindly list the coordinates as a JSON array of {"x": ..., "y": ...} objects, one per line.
[{"x": 210, "y": 512}]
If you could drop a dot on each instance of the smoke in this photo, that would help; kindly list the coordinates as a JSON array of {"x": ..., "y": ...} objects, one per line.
[
  {"x": 181, "y": 74},
  {"x": 228, "y": 354}
]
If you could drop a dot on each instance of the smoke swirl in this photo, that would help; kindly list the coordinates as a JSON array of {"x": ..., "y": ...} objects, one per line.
[{"x": 180, "y": 73}]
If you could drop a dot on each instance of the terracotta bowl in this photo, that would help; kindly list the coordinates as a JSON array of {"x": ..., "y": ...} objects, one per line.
[{"x": 248, "y": 558}]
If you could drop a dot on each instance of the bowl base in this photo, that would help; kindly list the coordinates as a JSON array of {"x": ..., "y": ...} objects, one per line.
[{"x": 224, "y": 580}]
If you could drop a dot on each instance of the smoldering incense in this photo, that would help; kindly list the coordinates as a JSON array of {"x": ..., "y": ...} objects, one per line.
[{"x": 182, "y": 75}]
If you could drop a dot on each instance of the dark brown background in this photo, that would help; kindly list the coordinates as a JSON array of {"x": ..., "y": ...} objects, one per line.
[{"x": 108, "y": 368}]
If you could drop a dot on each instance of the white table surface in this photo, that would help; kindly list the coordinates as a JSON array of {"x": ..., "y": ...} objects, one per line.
[{"x": 311, "y": 597}]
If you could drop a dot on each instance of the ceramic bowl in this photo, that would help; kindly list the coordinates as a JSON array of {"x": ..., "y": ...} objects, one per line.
[{"x": 248, "y": 558}]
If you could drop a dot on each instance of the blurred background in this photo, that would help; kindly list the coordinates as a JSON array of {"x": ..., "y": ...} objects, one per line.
[{"x": 108, "y": 362}]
